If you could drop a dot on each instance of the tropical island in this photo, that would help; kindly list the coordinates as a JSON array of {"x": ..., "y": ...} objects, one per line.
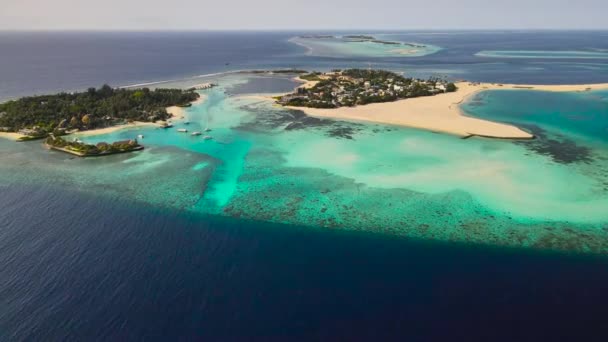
[
  {"x": 36, "y": 117},
  {"x": 353, "y": 87},
  {"x": 361, "y": 38},
  {"x": 372, "y": 39},
  {"x": 388, "y": 98},
  {"x": 80, "y": 149}
]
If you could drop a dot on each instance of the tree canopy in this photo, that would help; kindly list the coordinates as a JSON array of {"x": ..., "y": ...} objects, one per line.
[{"x": 93, "y": 108}]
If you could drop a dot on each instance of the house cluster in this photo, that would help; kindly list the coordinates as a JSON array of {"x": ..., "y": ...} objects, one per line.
[
  {"x": 33, "y": 131},
  {"x": 358, "y": 87},
  {"x": 204, "y": 86}
]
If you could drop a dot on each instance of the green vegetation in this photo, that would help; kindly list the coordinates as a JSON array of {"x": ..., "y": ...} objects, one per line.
[
  {"x": 353, "y": 87},
  {"x": 371, "y": 39},
  {"x": 81, "y": 149},
  {"x": 313, "y": 76},
  {"x": 278, "y": 71},
  {"x": 289, "y": 71},
  {"x": 37, "y": 116},
  {"x": 31, "y": 137},
  {"x": 361, "y": 36},
  {"x": 318, "y": 36}
]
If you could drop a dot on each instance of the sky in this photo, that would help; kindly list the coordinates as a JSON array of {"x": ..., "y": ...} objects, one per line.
[{"x": 301, "y": 14}]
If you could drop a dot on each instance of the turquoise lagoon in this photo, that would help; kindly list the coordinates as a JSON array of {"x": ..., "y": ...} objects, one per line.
[
  {"x": 267, "y": 163},
  {"x": 340, "y": 47}
]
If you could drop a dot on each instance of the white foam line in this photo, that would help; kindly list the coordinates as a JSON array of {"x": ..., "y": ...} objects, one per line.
[{"x": 185, "y": 78}]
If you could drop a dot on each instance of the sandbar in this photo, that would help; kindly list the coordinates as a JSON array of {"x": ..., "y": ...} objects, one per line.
[{"x": 441, "y": 113}]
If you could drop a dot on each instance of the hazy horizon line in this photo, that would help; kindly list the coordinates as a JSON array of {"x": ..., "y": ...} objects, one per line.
[{"x": 305, "y": 30}]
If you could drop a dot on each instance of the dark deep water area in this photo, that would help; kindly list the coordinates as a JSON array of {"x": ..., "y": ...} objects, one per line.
[{"x": 77, "y": 267}]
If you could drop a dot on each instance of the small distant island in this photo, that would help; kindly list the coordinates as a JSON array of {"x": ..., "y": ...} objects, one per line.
[
  {"x": 354, "y": 87},
  {"x": 80, "y": 149},
  {"x": 362, "y": 38},
  {"x": 372, "y": 39},
  {"x": 318, "y": 36},
  {"x": 36, "y": 117}
]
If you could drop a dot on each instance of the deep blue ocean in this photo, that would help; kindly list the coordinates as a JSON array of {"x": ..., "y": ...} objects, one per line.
[
  {"x": 74, "y": 267},
  {"x": 39, "y": 62}
]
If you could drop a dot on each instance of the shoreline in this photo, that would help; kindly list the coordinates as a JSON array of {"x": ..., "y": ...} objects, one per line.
[
  {"x": 11, "y": 136},
  {"x": 442, "y": 112},
  {"x": 84, "y": 155},
  {"x": 306, "y": 84},
  {"x": 177, "y": 112},
  {"x": 111, "y": 129}
]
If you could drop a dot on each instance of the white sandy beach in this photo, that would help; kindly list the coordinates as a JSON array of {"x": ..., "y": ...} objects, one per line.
[
  {"x": 106, "y": 130},
  {"x": 10, "y": 135},
  {"x": 178, "y": 112},
  {"x": 441, "y": 113},
  {"x": 306, "y": 84}
]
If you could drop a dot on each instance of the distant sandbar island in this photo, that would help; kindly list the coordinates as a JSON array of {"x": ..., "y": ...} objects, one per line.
[
  {"x": 385, "y": 97},
  {"x": 335, "y": 44},
  {"x": 361, "y": 38}
]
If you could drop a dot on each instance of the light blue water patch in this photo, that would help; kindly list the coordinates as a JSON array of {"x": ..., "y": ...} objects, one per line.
[
  {"x": 584, "y": 114},
  {"x": 341, "y": 47},
  {"x": 200, "y": 166},
  {"x": 228, "y": 146}
]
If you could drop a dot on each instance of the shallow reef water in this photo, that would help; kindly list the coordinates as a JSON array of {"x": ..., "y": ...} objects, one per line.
[
  {"x": 341, "y": 47},
  {"x": 267, "y": 163}
]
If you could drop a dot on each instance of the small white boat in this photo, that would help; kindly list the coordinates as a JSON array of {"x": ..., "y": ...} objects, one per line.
[
  {"x": 186, "y": 122},
  {"x": 166, "y": 125},
  {"x": 141, "y": 136},
  {"x": 207, "y": 129},
  {"x": 182, "y": 130},
  {"x": 207, "y": 137},
  {"x": 196, "y": 133}
]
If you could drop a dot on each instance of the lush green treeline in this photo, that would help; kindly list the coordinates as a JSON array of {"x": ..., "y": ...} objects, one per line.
[{"x": 93, "y": 108}]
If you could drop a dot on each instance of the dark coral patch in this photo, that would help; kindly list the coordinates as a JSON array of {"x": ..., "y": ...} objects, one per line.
[{"x": 560, "y": 148}]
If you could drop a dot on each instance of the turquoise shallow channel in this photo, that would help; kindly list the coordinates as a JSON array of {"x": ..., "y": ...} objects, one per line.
[{"x": 268, "y": 163}]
